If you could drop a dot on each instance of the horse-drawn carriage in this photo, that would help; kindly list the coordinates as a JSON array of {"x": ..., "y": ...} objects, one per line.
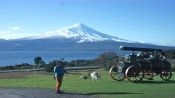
[{"x": 146, "y": 63}]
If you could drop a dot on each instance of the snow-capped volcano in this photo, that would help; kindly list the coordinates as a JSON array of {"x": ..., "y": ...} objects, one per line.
[
  {"x": 80, "y": 33},
  {"x": 77, "y": 37}
]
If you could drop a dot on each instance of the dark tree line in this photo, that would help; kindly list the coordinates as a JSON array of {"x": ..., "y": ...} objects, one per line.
[
  {"x": 107, "y": 59},
  {"x": 38, "y": 63},
  {"x": 17, "y": 67},
  {"x": 170, "y": 54}
]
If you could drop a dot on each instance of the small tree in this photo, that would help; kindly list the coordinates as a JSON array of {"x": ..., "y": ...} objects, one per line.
[
  {"x": 107, "y": 59},
  {"x": 49, "y": 67},
  {"x": 39, "y": 62}
]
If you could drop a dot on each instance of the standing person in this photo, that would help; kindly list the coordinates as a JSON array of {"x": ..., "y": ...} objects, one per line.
[{"x": 58, "y": 75}]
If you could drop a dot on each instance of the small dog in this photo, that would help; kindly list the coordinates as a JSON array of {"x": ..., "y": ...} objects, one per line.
[{"x": 84, "y": 77}]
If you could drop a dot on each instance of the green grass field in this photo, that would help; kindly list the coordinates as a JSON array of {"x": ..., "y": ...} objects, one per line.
[{"x": 105, "y": 88}]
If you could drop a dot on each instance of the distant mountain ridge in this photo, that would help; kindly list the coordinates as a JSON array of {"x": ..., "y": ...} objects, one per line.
[{"x": 77, "y": 37}]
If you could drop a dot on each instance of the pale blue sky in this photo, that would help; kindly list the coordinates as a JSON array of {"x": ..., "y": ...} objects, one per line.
[{"x": 151, "y": 21}]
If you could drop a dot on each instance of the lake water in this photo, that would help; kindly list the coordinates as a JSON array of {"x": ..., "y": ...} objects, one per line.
[{"x": 18, "y": 57}]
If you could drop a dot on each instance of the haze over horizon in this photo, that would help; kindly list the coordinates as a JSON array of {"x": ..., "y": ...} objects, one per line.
[{"x": 148, "y": 21}]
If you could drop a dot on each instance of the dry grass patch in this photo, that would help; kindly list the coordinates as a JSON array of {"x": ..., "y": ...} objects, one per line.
[{"x": 14, "y": 75}]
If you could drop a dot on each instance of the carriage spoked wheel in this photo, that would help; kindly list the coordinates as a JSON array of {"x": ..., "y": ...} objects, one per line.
[
  {"x": 117, "y": 73},
  {"x": 148, "y": 75},
  {"x": 134, "y": 73},
  {"x": 166, "y": 75}
]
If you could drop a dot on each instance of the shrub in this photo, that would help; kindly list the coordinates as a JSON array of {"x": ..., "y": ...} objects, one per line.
[
  {"x": 49, "y": 67},
  {"x": 107, "y": 59}
]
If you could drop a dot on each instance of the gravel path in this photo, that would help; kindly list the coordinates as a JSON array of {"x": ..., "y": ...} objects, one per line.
[{"x": 37, "y": 93}]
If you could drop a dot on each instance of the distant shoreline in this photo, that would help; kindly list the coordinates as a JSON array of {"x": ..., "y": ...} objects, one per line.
[{"x": 18, "y": 57}]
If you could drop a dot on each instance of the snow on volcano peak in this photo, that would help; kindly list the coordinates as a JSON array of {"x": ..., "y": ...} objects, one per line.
[{"x": 80, "y": 33}]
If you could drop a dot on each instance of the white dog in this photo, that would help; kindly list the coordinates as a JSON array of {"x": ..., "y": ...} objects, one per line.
[{"x": 94, "y": 76}]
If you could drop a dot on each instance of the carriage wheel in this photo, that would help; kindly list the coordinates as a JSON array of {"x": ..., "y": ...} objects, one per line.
[
  {"x": 148, "y": 75},
  {"x": 116, "y": 72},
  {"x": 166, "y": 75},
  {"x": 134, "y": 73}
]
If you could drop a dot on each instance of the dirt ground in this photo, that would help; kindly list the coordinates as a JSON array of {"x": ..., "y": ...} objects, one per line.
[
  {"x": 14, "y": 75},
  {"x": 37, "y": 93}
]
